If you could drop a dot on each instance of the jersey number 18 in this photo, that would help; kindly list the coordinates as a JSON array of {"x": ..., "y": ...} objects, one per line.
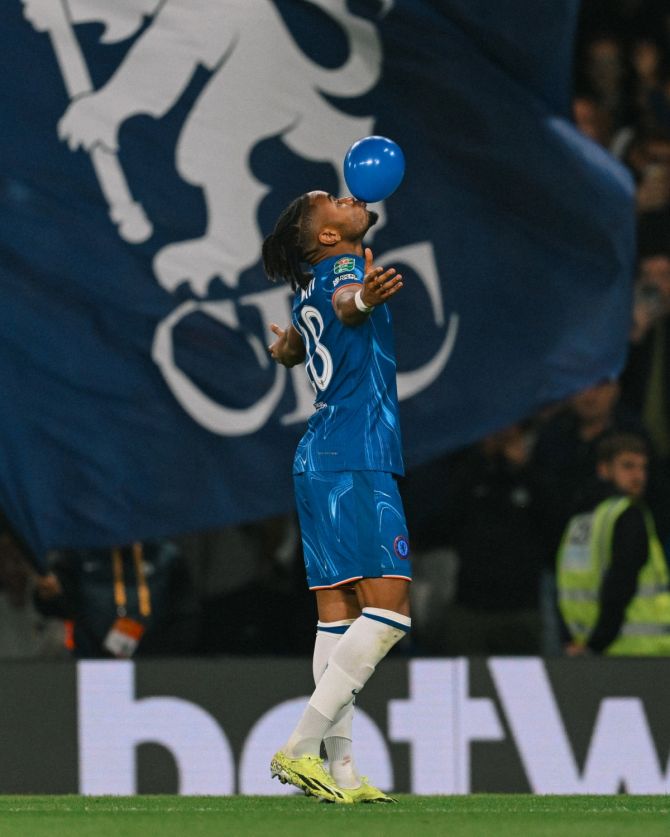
[{"x": 311, "y": 329}]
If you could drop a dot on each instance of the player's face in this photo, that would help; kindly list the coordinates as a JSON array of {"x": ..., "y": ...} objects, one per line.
[
  {"x": 628, "y": 472},
  {"x": 349, "y": 216}
]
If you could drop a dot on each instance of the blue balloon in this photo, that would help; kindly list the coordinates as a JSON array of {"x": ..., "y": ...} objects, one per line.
[{"x": 373, "y": 168}]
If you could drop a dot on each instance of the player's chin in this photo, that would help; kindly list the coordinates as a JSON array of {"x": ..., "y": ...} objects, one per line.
[{"x": 373, "y": 217}]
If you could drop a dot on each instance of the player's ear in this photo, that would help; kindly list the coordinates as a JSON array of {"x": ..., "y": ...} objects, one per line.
[
  {"x": 328, "y": 236},
  {"x": 604, "y": 471}
]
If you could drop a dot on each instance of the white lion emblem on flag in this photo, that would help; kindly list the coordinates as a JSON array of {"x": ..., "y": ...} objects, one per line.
[{"x": 261, "y": 85}]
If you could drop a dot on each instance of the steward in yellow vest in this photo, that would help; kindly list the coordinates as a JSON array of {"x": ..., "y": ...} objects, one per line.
[{"x": 612, "y": 574}]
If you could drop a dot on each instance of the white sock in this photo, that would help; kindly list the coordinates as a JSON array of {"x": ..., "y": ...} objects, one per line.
[
  {"x": 338, "y": 739},
  {"x": 340, "y": 757},
  {"x": 350, "y": 665},
  {"x": 306, "y": 739},
  {"x": 328, "y": 634}
]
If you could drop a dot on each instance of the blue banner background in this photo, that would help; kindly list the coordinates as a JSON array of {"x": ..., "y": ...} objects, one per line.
[{"x": 530, "y": 225}]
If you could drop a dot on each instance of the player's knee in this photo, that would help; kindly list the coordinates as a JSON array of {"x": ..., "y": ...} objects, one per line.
[
  {"x": 387, "y": 593},
  {"x": 392, "y": 626}
]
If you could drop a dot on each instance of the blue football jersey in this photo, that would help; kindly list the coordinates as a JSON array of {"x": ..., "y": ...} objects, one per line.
[{"x": 353, "y": 372}]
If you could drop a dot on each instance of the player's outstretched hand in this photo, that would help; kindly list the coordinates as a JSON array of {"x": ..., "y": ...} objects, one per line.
[
  {"x": 379, "y": 285},
  {"x": 275, "y": 348},
  {"x": 288, "y": 349}
]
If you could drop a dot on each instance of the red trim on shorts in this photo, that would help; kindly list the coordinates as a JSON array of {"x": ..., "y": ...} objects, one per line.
[
  {"x": 338, "y": 583},
  {"x": 405, "y": 577}
]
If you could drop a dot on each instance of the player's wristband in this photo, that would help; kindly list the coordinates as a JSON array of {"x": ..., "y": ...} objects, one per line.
[{"x": 362, "y": 307}]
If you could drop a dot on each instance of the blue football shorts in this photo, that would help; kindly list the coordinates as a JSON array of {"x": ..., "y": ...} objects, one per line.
[{"x": 352, "y": 525}]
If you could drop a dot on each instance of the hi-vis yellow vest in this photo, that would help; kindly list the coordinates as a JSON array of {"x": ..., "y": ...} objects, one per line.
[{"x": 583, "y": 559}]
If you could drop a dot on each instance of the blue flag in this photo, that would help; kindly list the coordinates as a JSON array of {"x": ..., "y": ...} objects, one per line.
[{"x": 147, "y": 148}]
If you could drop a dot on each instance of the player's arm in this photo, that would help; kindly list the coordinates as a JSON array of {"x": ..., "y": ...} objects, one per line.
[
  {"x": 354, "y": 303},
  {"x": 629, "y": 552},
  {"x": 288, "y": 349}
]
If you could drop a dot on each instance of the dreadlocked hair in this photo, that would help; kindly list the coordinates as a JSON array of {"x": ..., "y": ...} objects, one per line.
[{"x": 284, "y": 250}]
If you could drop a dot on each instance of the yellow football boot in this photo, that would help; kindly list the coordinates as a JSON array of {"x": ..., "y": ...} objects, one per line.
[
  {"x": 308, "y": 774},
  {"x": 367, "y": 793}
]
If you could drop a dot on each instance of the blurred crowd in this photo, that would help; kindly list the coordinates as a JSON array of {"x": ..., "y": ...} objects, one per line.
[{"x": 496, "y": 527}]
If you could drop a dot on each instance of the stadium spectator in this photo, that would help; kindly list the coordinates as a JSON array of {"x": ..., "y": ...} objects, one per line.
[
  {"x": 565, "y": 454},
  {"x": 592, "y": 119},
  {"x": 652, "y": 81},
  {"x": 648, "y": 157},
  {"x": 490, "y": 518},
  {"x": 611, "y": 571},
  {"x": 603, "y": 70},
  {"x": 124, "y": 601},
  {"x": 434, "y": 563},
  {"x": 23, "y": 631},
  {"x": 646, "y": 377},
  {"x": 247, "y": 578},
  {"x": 565, "y": 458},
  {"x": 622, "y": 58}
]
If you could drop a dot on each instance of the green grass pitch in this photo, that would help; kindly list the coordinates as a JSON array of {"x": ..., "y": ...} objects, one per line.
[{"x": 478, "y": 815}]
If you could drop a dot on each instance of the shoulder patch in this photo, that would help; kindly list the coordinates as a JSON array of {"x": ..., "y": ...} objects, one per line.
[
  {"x": 343, "y": 265},
  {"x": 345, "y": 277}
]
